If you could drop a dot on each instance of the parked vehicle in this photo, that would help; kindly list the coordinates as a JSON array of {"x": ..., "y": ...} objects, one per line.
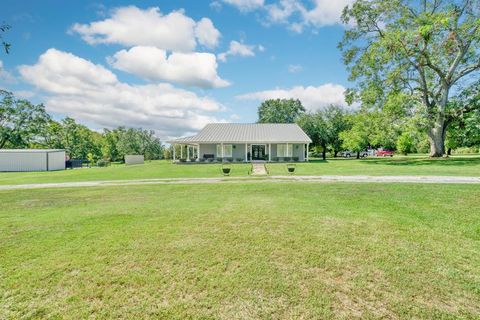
[
  {"x": 350, "y": 154},
  {"x": 384, "y": 153}
]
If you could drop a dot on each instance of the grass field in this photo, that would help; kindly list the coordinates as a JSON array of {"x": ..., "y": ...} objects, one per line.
[
  {"x": 241, "y": 251},
  {"x": 459, "y": 166}
]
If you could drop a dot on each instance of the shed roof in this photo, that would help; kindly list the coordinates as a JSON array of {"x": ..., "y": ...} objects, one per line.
[
  {"x": 30, "y": 150},
  {"x": 248, "y": 133}
]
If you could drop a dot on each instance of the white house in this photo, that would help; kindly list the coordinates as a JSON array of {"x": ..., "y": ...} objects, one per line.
[{"x": 244, "y": 142}]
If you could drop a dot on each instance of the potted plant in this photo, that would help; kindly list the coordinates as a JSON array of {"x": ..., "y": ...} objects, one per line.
[
  {"x": 226, "y": 169},
  {"x": 291, "y": 168}
]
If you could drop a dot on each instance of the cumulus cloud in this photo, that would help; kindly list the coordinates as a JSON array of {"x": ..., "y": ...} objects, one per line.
[
  {"x": 132, "y": 26},
  {"x": 191, "y": 69},
  {"x": 312, "y": 98},
  {"x": 79, "y": 88},
  {"x": 295, "y": 13},
  {"x": 206, "y": 33},
  {"x": 326, "y": 12},
  {"x": 245, "y": 5},
  {"x": 239, "y": 49}
]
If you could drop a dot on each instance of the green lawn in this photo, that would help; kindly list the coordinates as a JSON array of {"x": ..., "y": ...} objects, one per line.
[
  {"x": 241, "y": 251},
  {"x": 459, "y": 165},
  {"x": 149, "y": 170},
  {"x": 397, "y": 165}
]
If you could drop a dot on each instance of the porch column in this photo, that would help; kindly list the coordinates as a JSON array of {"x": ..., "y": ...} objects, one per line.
[
  {"x": 181, "y": 151},
  {"x": 246, "y": 153},
  {"x": 198, "y": 152},
  {"x": 307, "y": 152},
  {"x": 222, "y": 150},
  {"x": 188, "y": 152},
  {"x": 269, "y": 152},
  {"x": 173, "y": 152}
]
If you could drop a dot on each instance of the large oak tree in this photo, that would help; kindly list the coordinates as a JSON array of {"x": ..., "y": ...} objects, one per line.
[{"x": 427, "y": 51}]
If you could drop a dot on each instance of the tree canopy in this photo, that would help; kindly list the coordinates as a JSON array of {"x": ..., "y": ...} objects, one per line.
[
  {"x": 20, "y": 120},
  {"x": 280, "y": 111},
  {"x": 418, "y": 54}
]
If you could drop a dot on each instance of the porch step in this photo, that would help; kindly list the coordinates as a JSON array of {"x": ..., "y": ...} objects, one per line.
[{"x": 258, "y": 169}]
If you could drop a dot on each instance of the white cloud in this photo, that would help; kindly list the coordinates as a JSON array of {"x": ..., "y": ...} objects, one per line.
[
  {"x": 296, "y": 14},
  {"x": 206, "y": 33},
  {"x": 246, "y": 5},
  {"x": 283, "y": 10},
  {"x": 5, "y": 76},
  {"x": 76, "y": 87},
  {"x": 132, "y": 26},
  {"x": 294, "y": 68},
  {"x": 216, "y": 5},
  {"x": 239, "y": 49},
  {"x": 191, "y": 69},
  {"x": 326, "y": 12},
  {"x": 312, "y": 98}
]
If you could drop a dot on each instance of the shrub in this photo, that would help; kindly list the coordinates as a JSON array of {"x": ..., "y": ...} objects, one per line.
[
  {"x": 405, "y": 143},
  {"x": 239, "y": 159},
  {"x": 287, "y": 158},
  {"x": 103, "y": 163},
  {"x": 466, "y": 150},
  {"x": 295, "y": 158}
]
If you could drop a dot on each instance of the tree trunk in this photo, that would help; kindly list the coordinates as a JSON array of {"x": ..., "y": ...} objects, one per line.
[
  {"x": 335, "y": 152},
  {"x": 449, "y": 152},
  {"x": 324, "y": 153},
  {"x": 358, "y": 155},
  {"x": 436, "y": 136}
]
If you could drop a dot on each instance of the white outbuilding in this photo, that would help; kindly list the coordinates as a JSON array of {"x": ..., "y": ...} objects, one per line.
[{"x": 32, "y": 159}]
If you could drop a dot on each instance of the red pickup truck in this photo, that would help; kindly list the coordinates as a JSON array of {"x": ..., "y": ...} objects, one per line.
[{"x": 384, "y": 153}]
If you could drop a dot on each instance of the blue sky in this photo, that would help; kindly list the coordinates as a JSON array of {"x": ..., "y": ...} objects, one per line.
[{"x": 172, "y": 66}]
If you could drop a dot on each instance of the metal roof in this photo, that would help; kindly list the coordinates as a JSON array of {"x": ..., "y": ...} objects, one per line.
[
  {"x": 30, "y": 150},
  {"x": 248, "y": 133}
]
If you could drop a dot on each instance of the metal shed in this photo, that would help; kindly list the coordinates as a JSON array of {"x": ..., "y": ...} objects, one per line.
[{"x": 32, "y": 159}]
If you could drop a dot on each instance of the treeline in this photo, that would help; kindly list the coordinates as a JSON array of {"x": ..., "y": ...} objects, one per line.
[
  {"x": 334, "y": 129},
  {"x": 26, "y": 125}
]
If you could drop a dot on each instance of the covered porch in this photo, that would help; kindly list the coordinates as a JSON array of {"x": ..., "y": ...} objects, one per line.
[{"x": 188, "y": 152}]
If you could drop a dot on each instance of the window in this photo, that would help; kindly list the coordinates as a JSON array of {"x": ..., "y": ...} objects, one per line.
[
  {"x": 227, "y": 151},
  {"x": 284, "y": 150}
]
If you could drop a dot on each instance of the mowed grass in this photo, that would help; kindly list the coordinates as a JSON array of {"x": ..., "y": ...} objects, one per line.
[
  {"x": 241, "y": 251},
  {"x": 149, "y": 170},
  {"x": 398, "y": 165}
]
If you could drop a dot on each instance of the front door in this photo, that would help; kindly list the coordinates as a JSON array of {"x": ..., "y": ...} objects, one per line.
[{"x": 258, "y": 152}]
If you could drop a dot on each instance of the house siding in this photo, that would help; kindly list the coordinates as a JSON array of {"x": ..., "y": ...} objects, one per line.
[{"x": 238, "y": 150}]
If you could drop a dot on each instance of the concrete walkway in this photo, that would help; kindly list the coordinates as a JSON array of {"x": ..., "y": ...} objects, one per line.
[
  {"x": 265, "y": 179},
  {"x": 258, "y": 169}
]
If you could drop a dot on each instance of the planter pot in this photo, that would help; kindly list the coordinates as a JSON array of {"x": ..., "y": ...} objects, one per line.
[
  {"x": 226, "y": 170},
  {"x": 291, "y": 170}
]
